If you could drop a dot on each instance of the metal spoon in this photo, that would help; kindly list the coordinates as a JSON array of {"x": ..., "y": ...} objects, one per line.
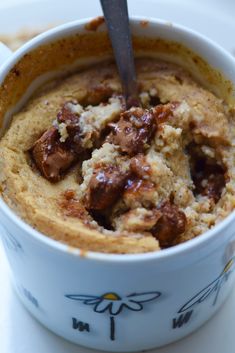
[{"x": 117, "y": 21}]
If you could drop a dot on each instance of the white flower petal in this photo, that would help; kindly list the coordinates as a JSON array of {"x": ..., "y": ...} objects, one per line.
[
  {"x": 134, "y": 306},
  {"x": 92, "y": 301},
  {"x": 116, "y": 307},
  {"x": 82, "y": 297},
  {"x": 102, "y": 306},
  {"x": 143, "y": 297}
]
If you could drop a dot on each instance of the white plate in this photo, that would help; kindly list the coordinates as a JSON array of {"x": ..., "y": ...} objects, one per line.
[{"x": 19, "y": 332}]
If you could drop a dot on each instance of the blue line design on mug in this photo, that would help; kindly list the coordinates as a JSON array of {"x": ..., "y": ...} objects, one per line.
[
  {"x": 114, "y": 304},
  {"x": 212, "y": 289},
  {"x": 11, "y": 242}
]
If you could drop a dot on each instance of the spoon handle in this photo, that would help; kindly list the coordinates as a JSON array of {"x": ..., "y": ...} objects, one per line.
[{"x": 117, "y": 21}]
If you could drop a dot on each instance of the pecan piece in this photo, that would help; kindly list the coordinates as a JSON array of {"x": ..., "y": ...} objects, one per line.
[
  {"x": 51, "y": 156},
  {"x": 171, "y": 224},
  {"x": 138, "y": 192},
  {"x": 139, "y": 166},
  {"x": 133, "y": 131},
  {"x": 163, "y": 112},
  {"x": 105, "y": 187},
  {"x": 71, "y": 121}
]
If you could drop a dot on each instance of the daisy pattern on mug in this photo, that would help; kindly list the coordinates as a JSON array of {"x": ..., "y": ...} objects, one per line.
[
  {"x": 212, "y": 289},
  {"x": 114, "y": 304}
]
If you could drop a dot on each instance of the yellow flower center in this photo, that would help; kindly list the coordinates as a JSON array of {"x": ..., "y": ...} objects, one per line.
[
  {"x": 227, "y": 267},
  {"x": 111, "y": 296}
]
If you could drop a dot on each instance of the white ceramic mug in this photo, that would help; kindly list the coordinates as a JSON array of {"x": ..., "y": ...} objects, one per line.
[{"x": 120, "y": 302}]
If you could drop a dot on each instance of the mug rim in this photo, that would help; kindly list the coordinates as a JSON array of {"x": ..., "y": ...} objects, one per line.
[{"x": 177, "y": 250}]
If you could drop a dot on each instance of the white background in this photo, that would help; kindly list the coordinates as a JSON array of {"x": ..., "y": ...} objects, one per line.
[{"x": 19, "y": 332}]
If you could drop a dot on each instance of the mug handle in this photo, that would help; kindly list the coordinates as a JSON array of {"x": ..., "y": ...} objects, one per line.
[{"x": 5, "y": 53}]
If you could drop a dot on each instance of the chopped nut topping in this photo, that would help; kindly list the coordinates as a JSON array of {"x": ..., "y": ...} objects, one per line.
[
  {"x": 133, "y": 131},
  {"x": 171, "y": 224},
  {"x": 138, "y": 192},
  {"x": 139, "y": 166},
  {"x": 135, "y": 186},
  {"x": 162, "y": 112},
  {"x": 51, "y": 156},
  {"x": 71, "y": 120},
  {"x": 105, "y": 186},
  {"x": 73, "y": 132}
]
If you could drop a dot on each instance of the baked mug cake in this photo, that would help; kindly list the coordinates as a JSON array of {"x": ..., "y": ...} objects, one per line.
[
  {"x": 92, "y": 190},
  {"x": 151, "y": 176}
]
